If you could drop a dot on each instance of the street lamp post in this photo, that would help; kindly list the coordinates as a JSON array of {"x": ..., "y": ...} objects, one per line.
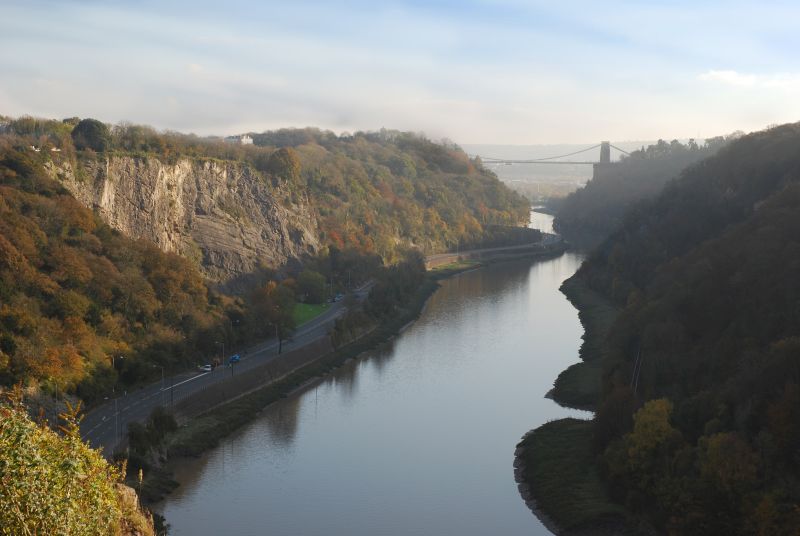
[
  {"x": 222, "y": 362},
  {"x": 114, "y": 368},
  {"x": 116, "y": 406}
]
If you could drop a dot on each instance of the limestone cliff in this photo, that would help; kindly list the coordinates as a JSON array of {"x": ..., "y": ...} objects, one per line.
[{"x": 222, "y": 214}]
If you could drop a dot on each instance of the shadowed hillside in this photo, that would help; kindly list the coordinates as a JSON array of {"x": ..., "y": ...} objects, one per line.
[{"x": 699, "y": 425}]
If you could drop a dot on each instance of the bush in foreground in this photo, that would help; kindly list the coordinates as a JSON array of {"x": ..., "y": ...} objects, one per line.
[{"x": 53, "y": 483}]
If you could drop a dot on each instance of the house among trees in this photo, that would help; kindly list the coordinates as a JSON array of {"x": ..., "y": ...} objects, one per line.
[{"x": 244, "y": 139}]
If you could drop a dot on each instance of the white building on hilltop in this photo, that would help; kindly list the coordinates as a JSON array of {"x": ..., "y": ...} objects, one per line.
[{"x": 244, "y": 139}]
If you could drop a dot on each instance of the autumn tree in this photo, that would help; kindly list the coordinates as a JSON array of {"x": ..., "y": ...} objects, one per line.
[{"x": 284, "y": 164}]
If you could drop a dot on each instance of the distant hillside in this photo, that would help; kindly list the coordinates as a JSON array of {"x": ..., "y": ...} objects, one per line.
[
  {"x": 112, "y": 241},
  {"x": 709, "y": 342},
  {"x": 389, "y": 190},
  {"x": 234, "y": 207},
  {"x": 590, "y": 214}
]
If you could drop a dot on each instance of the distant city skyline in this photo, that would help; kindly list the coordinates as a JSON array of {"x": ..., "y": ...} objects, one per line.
[{"x": 478, "y": 72}]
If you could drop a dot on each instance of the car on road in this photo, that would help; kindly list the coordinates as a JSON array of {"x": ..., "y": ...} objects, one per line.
[
  {"x": 338, "y": 297},
  {"x": 235, "y": 358},
  {"x": 204, "y": 368}
]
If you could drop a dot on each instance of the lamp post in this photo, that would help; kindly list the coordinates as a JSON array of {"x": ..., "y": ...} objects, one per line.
[
  {"x": 114, "y": 367},
  {"x": 223, "y": 351},
  {"x": 116, "y": 407}
]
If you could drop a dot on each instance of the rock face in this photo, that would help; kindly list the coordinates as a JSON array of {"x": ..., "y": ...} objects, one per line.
[{"x": 221, "y": 214}]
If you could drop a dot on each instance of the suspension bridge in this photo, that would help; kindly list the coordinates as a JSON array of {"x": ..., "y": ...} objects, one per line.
[{"x": 605, "y": 157}]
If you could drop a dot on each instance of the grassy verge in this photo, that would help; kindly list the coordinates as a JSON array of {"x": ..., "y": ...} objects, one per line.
[
  {"x": 560, "y": 470},
  {"x": 304, "y": 312},
  {"x": 454, "y": 267},
  {"x": 579, "y": 386}
]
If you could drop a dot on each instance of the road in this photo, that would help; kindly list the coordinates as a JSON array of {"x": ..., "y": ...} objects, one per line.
[
  {"x": 548, "y": 239},
  {"x": 106, "y": 425}
]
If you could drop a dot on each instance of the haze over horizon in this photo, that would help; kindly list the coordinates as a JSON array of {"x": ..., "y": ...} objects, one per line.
[{"x": 504, "y": 72}]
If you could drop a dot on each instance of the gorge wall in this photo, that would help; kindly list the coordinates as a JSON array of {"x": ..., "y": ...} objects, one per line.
[{"x": 223, "y": 215}]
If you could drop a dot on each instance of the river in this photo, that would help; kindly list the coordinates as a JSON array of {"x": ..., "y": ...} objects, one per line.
[{"x": 415, "y": 439}]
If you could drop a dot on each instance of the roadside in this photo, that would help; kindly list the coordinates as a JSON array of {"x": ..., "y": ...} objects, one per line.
[
  {"x": 105, "y": 425},
  {"x": 305, "y": 312},
  {"x": 209, "y": 417}
]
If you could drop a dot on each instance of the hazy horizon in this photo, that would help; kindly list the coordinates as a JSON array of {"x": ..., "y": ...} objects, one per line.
[{"x": 504, "y": 72}]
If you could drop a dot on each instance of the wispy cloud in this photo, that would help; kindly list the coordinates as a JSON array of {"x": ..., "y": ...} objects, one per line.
[{"x": 759, "y": 81}]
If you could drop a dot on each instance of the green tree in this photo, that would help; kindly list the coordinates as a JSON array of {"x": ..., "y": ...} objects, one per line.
[
  {"x": 311, "y": 285},
  {"x": 91, "y": 134}
]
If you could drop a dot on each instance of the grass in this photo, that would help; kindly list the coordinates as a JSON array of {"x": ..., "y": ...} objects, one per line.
[
  {"x": 580, "y": 385},
  {"x": 305, "y": 312},
  {"x": 456, "y": 266},
  {"x": 561, "y": 471}
]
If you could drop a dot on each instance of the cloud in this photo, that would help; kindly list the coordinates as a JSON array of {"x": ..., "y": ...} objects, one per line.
[
  {"x": 517, "y": 71},
  {"x": 734, "y": 78}
]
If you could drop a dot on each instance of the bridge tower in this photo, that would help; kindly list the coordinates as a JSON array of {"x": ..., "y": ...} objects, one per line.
[
  {"x": 605, "y": 152},
  {"x": 605, "y": 160}
]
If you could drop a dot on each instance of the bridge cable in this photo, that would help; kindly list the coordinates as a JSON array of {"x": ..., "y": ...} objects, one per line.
[
  {"x": 488, "y": 159},
  {"x": 620, "y": 150}
]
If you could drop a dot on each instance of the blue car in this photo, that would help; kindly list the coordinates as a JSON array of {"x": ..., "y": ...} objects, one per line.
[{"x": 235, "y": 358}]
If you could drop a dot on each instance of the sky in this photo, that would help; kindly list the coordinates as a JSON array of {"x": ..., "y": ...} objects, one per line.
[{"x": 505, "y": 71}]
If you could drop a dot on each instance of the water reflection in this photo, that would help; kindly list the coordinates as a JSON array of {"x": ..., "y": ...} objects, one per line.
[
  {"x": 281, "y": 421},
  {"x": 346, "y": 379},
  {"x": 417, "y": 438}
]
